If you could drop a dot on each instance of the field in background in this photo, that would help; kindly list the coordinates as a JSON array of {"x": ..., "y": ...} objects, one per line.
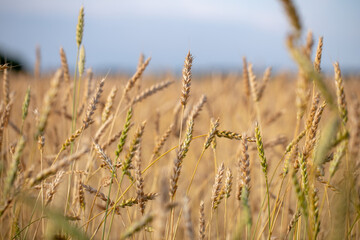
[
  {"x": 231, "y": 156},
  {"x": 226, "y": 100}
]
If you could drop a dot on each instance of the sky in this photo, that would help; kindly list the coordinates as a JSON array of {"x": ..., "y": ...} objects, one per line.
[{"x": 218, "y": 33}]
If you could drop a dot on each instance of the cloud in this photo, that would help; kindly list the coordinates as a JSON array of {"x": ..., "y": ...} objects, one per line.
[{"x": 257, "y": 15}]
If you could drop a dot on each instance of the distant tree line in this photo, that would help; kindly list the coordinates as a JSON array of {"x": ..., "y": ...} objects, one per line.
[{"x": 15, "y": 63}]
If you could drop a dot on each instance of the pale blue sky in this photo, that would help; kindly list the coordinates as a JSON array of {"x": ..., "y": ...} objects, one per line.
[{"x": 218, "y": 33}]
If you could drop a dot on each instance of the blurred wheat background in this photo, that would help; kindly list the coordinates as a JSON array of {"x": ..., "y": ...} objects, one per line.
[{"x": 237, "y": 155}]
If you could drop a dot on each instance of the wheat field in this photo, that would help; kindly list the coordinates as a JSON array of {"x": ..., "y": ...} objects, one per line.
[{"x": 244, "y": 155}]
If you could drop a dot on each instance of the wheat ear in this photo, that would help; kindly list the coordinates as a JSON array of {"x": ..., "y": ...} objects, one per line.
[
  {"x": 317, "y": 60},
  {"x": 56, "y": 167},
  {"x": 6, "y": 86},
  {"x": 80, "y": 27},
  {"x": 14, "y": 167},
  {"x": 150, "y": 91},
  {"x": 216, "y": 190},
  {"x": 342, "y": 106},
  {"x": 139, "y": 181},
  {"x": 49, "y": 101},
  {"x": 245, "y": 75},
  {"x": 186, "y": 79},
  {"x": 108, "y": 105},
  {"x": 189, "y": 229},
  {"x": 184, "y": 147}
]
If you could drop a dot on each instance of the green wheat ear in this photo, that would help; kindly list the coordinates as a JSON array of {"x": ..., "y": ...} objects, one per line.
[
  {"x": 124, "y": 133},
  {"x": 13, "y": 170},
  {"x": 81, "y": 61},
  {"x": 26, "y": 103},
  {"x": 80, "y": 27},
  {"x": 260, "y": 147}
]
